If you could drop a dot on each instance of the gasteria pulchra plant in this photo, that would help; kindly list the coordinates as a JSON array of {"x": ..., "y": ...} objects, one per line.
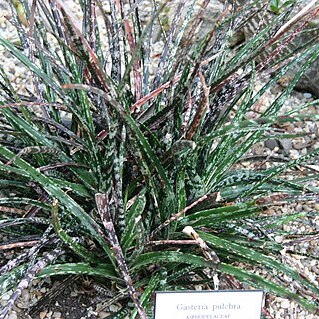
[{"x": 123, "y": 164}]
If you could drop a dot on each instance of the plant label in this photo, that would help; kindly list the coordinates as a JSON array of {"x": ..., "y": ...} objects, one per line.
[{"x": 222, "y": 304}]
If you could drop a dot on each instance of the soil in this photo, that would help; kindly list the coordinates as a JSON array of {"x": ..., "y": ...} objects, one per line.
[{"x": 61, "y": 300}]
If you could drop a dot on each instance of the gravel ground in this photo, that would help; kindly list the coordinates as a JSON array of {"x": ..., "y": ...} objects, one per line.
[{"x": 77, "y": 299}]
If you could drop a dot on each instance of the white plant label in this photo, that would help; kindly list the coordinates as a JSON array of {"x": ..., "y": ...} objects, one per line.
[{"x": 222, "y": 304}]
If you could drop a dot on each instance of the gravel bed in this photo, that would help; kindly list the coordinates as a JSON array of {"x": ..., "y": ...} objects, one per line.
[{"x": 79, "y": 302}]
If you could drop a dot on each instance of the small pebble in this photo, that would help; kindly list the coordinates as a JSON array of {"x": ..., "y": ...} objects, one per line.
[
  {"x": 22, "y": 305},
  {"x": 294, "y": 154},
  {"x": 43, "y": 314},
  {"x": 13, "y": 315},
  {"x": 279, "y": 239},
  {"x": 35, "y": 282},
  {"x": 25, "y": 295},
  {"x": 57, "y": 314},
  {"x": 285, "y": 304},
  {"x": 104, "y": 314},
  {"x": 5, "y": 297},
  {"x": 271, "y": 144},
  {"x": 307, "y": 95},
  {"x": 113, "y": 308},
  {"x": 286, "y": 144}
]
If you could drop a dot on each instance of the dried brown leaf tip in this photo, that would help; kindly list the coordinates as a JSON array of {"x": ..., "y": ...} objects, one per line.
[{"x": 208, "y": 253}]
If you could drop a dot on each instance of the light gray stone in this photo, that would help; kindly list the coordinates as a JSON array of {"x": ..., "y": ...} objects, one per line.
[{"x": 271, "y": 144}]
